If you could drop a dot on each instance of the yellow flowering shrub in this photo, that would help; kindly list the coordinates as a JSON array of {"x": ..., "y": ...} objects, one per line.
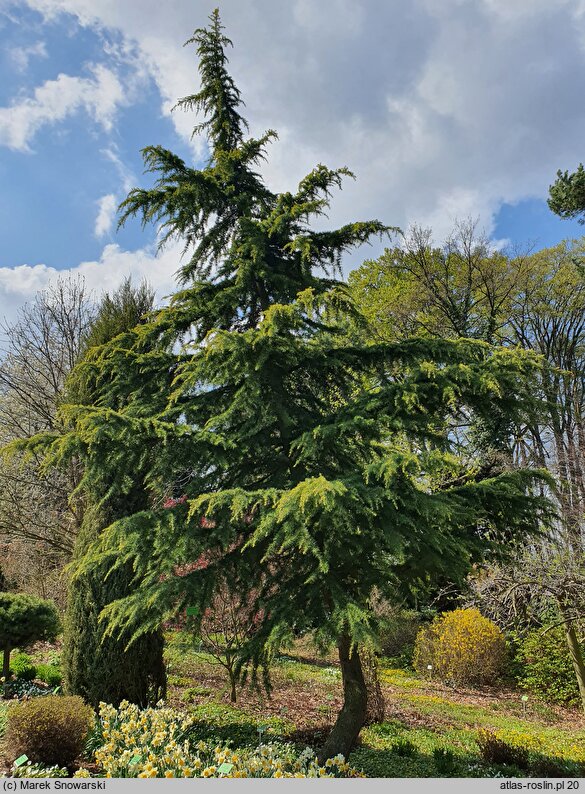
[
  {"x": 155, "y": 743},
  {"x": 462, "y": 647}
]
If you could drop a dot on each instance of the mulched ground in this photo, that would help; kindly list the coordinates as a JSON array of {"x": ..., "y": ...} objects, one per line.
[{"x": 307, "y": 703}]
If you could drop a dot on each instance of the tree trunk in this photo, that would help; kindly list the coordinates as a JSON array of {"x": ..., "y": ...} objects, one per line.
[
  {"x": 353, "y": 713},
  {"x": 233, "y": 692},
  {"x": 6, "y": 668}
]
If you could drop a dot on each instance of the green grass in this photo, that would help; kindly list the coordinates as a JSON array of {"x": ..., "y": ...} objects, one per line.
[
  {"x": 228, "y": 723},
  {"x": 434, "y": 735},
  {"x": 531, "y": 731},
  {"x": 446, "y": 746}
]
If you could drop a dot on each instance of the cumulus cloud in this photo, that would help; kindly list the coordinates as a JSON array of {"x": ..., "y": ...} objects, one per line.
[
  {"x": 99, "y": 95},
  {"x": 19, "y": 284},
  {"x": 441, "y": 109}
]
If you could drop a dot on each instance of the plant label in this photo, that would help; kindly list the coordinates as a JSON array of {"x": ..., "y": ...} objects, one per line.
[
  {"x": 22, "y": 759},
  {"x": 135, "y": 759},
  {"x": 225, "y": 769}
]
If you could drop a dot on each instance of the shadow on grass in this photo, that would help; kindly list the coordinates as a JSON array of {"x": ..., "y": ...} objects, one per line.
[
  {"x": 394, "y": 762},
  {"x": 301, "y": 658},
  {"x": 404, "y": 759}
]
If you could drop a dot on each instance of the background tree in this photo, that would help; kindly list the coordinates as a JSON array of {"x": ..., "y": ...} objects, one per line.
[
  {"x": 567, "y": 194},
  {"x": 460, "y": 288},
  {"x": 38, "y": 522},
  {"x": 24, "y": 619},
  {"x": 535, "y": 302},
  {"x": 296, "y": 452}
]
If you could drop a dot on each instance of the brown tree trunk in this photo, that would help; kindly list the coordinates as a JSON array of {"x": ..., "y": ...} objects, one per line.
[{"x": 353, "y": 713}]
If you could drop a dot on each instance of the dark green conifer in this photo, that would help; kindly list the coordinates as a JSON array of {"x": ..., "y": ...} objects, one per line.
[{"x": 312, "y": 468}]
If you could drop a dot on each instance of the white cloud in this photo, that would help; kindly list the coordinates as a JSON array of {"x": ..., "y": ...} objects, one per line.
[
  {"x": 24, "y": 280},
  {"x": 20, "y": 56},
  {"x": 99, "y": 95},
  {"x": 106, "y": 213},
  {"x": 19, "y": 284}
]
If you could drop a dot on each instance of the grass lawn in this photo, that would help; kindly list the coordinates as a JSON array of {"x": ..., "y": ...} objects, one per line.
[{"x": 430, "y": 730}]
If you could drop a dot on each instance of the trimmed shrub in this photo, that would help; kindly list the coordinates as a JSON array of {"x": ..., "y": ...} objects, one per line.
[
  {"x": 22, "y": 667},
  {"x": 546, "y": 668},
  {"x": 49, "y": 730},
  {"x": 463, "y": 647},
  {"x": 24, "y": 619}
]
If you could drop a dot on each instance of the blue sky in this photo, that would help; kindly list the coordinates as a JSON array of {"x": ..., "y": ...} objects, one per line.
[{"x": 443, "y": 110}]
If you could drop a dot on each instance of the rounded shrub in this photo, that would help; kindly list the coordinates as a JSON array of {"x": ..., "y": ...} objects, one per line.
[
  {"x": 545, "y": 667},
  {"x": 462, "y": 647},
  {"x": 24, "y": 619},
  {"x": 49, "y": 730}
]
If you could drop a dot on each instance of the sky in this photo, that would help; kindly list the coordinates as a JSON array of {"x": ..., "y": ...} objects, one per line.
[{"x": 443, "y": 109}]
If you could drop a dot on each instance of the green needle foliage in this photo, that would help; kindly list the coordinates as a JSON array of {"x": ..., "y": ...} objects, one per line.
[
  {"x": 567, "y": 194},
  {"x": 307, "y": 468},
  {"x": 248, "y": 247}
]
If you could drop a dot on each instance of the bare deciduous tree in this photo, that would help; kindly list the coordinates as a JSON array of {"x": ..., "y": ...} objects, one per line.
[
  {"x": 38, "y": 351},
  {"x": 523, "y": 592}
]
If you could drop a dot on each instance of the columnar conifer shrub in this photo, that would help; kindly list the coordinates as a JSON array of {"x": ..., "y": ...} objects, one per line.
[
  {"x": 462, "y": 647},
  {"x": 95, "y": 666},
  {"x": 49, "y": 730}
]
